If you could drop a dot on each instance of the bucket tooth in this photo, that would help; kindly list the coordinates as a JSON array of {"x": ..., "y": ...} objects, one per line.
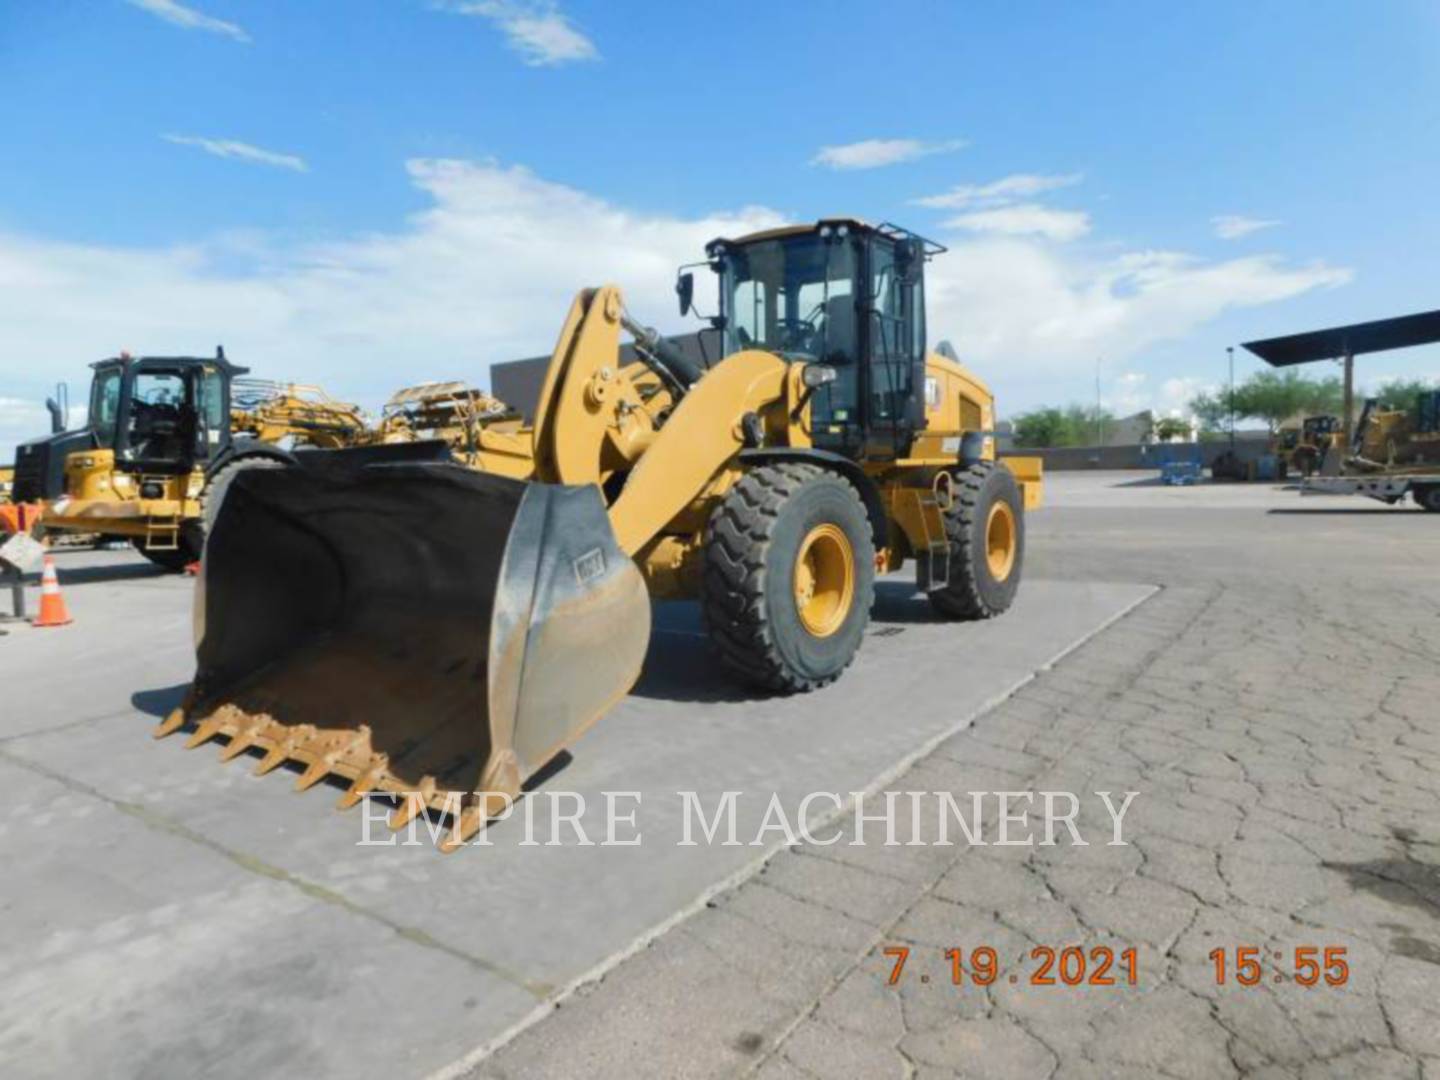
[
  {"x": 244, "y": 737},
  {"x": 475, "y": 816},
  {"x": 413, "y": 805},
  {"x": 205, "y": 732},
  {"x": 273, "y": 760},
  {"x": 237, "y": 746},
  {"x": 283, "y": 749},
  {"x": 363, "y": 784},
  {"x": 318, "y": 770},
  {"x": 171, "y": 724},
  {"x": 469, "y": 822},
  {"x": 324, "y": 763}
]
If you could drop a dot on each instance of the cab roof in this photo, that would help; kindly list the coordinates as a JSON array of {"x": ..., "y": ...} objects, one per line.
[
  {"x": 125, "y": 360},
  {"x": 858, "y": 225},
  {"x": 793, "y": 230}
]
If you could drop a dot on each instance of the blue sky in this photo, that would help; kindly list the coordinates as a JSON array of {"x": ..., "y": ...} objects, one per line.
[{"x": 373, "y": 192}]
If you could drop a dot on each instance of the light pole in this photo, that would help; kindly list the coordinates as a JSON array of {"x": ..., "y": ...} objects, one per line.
[
  {"x": 1099, "y": 436},
  {"x": 1230, "y": 350}
]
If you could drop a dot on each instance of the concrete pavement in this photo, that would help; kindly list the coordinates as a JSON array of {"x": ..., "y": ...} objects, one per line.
[
  {"x": 199, "y": 920},
  {"x": 1273, "y": 705}
]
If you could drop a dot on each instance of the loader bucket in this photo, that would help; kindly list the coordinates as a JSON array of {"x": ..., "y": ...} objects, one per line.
[{"x": 419, "y": 629}]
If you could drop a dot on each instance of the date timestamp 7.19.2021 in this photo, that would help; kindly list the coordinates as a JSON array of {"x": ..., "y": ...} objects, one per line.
[
  {"x": 1101, "y": 965},
  {"x": 1072, "y": 965}
]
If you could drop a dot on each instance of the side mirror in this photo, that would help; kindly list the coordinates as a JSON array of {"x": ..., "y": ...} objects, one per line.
[
  {"x": 909, "y": 260},
  {"x": 685, "y": 290}
]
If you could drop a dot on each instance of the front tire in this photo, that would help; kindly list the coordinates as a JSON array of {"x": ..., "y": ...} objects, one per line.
[
  {"x": 220, "y": 480},
  {"x": 191, "y": 543},
  {"x": 1428, "y": 497},
  {"x": 789, "y": 577},
  {"x": 985, "y": 525}
]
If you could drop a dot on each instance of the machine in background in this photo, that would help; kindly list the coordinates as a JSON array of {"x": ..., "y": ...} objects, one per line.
[{"x": 163, "y": 436}]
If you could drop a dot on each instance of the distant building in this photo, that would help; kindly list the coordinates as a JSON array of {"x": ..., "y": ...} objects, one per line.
[{"x": 1130, "y": 430}]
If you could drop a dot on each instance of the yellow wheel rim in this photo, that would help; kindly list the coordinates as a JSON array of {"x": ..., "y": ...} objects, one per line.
[
  {"x": 1000, "y": 540},
  {"x": 824, "y": 580}
]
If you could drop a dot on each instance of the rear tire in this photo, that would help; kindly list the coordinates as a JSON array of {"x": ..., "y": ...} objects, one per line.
[
  {"x": 1428, "y": 497},
  {"x": 789, "y": 577},
  {"x": 986, "y": 529}
]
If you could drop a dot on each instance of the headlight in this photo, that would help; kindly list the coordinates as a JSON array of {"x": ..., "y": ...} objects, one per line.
[{"x": 817, "y": 375}]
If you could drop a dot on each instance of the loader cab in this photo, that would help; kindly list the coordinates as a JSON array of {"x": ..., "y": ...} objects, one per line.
[
  {"x": 846, "y": 295},
  {"x": 162, "y": 415}
]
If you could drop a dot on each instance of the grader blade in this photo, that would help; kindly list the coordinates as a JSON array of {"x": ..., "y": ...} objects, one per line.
[{"x": 419, "y": 629}]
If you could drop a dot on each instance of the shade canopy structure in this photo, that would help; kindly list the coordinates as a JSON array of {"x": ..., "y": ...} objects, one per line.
[
  {"x": 1344, "y": 343},
  {"x": 1401, "y": 332}
]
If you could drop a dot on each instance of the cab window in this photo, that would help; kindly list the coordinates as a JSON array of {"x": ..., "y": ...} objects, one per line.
[
  {"x": 105, "y": 406},
  {"x": 162, "y": 422}
]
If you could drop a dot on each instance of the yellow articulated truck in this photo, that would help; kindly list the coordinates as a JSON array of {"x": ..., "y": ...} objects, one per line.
[
  {"x": 439, "y": 631},
  {"x": 163, "y": 435}
]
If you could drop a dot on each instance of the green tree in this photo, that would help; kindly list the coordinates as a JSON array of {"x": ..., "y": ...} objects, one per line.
[
  {"x": 1212, "y": 410},
  {"x": 1401, "y": 393},
  {"x": 1271, "y": 396},
  {"x": 1171, "y": 427},
  {"x": 1039, "y": 428},
  {"x": 1074, "y": 425}
]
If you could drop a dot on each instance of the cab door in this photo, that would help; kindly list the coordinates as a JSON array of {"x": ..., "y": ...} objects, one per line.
[
  {"x": 212, "y": 401},
  {"x": 895, "y": 347}
]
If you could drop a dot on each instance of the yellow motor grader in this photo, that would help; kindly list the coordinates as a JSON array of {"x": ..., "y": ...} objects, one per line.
[
  {"x": 437, "y": 631},
  {"x": 293, "y": 414},
  {"x": 163, "y": 437},
  {"x": 480, "y": 429}
]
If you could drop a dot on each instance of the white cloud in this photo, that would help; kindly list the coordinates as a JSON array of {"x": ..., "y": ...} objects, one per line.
[
  {"x": 536, "y": 29},
  {"x": 1234, "y": 226},
  {"x": 230, "y": 148},
  {"x": 485, "y": 273},
  {"x": 190, "y": 19},
  {"x": 1000, "y": 192},
  {"x": 1025, "y": 219},
  {"x": 20, "y": 420},
  {"x": 487, "y": 270},
  {"x": 1131, "y": 392},
  {"x": 1024, "y": 307},
  {"x": 873, "y": 153}
]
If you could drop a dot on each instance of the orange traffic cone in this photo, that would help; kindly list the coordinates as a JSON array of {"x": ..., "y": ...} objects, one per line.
[{"x": 52, "y": 604}]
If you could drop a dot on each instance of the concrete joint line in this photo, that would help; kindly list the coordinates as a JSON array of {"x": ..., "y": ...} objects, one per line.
[
  {"x": 257, "y": 866},
  {"x": 469, "y": 1061}
]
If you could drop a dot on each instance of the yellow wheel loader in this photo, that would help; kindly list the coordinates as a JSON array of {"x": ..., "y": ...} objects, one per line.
[
  {"x": 163, "y": 438},
  {"x": 438, "y": 631}
]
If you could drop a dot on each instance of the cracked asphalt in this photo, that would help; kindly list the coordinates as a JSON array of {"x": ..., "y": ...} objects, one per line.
[{"x": 1274, "y": 705}]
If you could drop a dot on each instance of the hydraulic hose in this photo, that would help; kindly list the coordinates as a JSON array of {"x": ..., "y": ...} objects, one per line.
[{"x": 662, "y": 355}]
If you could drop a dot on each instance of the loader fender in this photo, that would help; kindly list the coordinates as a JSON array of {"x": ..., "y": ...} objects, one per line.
[{"x": 825, "y": 459}]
